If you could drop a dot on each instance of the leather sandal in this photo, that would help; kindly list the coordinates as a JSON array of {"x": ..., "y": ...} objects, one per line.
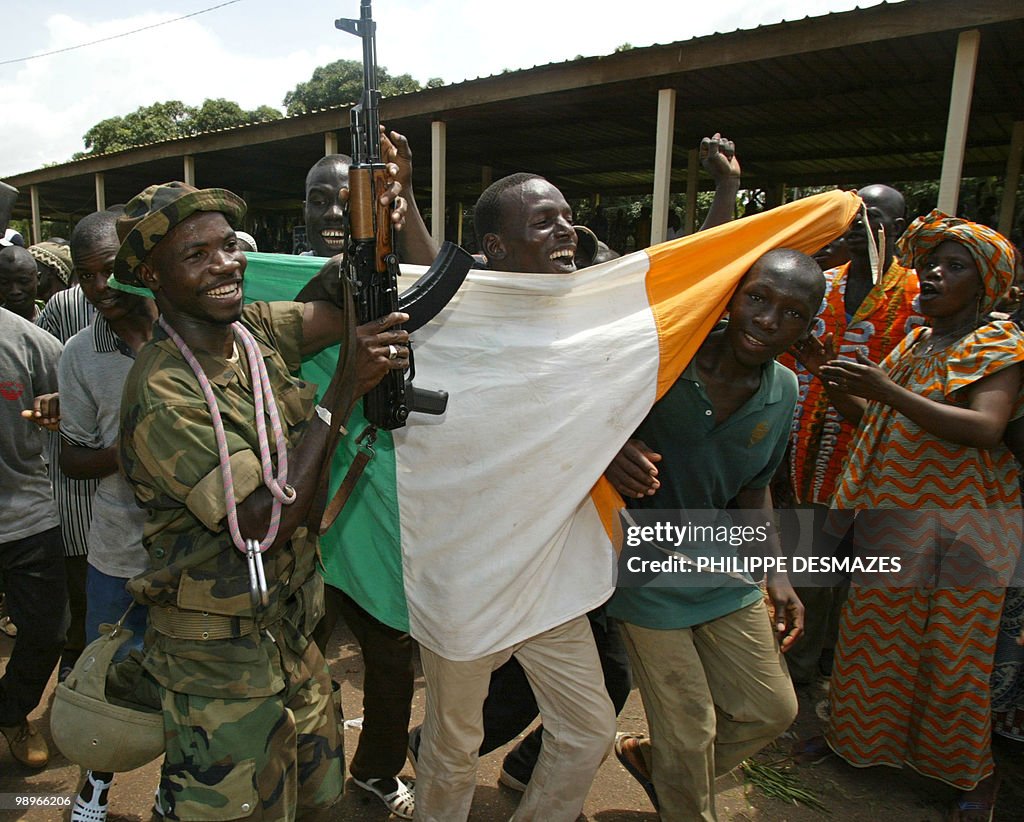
[{"x": 627, "y": 751}]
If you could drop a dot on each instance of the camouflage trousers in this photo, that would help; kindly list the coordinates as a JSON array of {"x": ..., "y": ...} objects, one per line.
[{"x": 267, "y": 758}]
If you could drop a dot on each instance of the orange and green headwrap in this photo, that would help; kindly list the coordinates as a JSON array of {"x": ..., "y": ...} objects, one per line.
[{"x": 994, "y": 255}]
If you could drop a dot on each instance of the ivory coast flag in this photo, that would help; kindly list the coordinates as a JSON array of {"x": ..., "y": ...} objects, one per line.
[{"x": 489, "y": 525}]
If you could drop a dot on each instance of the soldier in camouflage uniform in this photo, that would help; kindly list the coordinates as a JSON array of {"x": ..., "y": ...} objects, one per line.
[{"x": 246, "y": 696}]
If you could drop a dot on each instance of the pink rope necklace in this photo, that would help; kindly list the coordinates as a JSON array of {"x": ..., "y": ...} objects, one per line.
[{"x": 265, "y": 406}]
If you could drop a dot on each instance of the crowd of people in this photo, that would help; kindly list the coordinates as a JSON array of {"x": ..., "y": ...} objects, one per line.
[{"x": 164, "y": 468}]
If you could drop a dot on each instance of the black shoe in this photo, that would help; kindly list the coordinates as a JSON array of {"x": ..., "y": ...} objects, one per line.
[{"x": 514, "y": 774}]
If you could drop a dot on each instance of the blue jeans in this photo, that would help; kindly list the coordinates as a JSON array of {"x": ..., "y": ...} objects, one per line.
[
  {"x": 106, "y": 600},
  {"x": 33, "y": 571}
]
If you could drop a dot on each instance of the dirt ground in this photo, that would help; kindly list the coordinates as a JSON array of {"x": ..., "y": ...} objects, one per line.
[{"x": 850, "y": 795}]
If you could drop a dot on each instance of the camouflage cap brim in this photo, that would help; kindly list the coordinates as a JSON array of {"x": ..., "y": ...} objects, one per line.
[{"x": 151, "y": 215}]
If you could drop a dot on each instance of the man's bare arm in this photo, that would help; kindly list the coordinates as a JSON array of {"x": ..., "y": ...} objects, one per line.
[
  {"x": 414, "y": 242},
  {"x": 718, "y": 156}
]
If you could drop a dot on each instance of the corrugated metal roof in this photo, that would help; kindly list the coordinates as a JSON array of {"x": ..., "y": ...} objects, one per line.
[{"x": 845, "y": 98}]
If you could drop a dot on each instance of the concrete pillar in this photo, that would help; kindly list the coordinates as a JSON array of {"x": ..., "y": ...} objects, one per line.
[
  {"x": 438, "y": 159},
  {"x": 37, "y": 221},
  {"x": 189, "y": 161},
  {"x": 662, "y": 164},
  {"x": 1012, "y": 179},
  {"x": 101, "y": 192},
  {"x": 692, "y": 166},
  {"x": 959, "y": 113},
  {"x": 330, "y": 142}
]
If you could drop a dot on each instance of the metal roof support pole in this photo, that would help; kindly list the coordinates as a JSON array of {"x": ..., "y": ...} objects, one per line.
[
  {"x": 101, "y": 192},
  {"x": 37, "y": 222},
  {"x": 662, "y": 164},
  {"x": 690, "y": 225},
  {"x": 486, "y": 177},
  {"x": 959, "y": 113},
  {"x": 1012, "y": 179},
  {"x": 438, "y": 161},
  {"x": 189, "y": 171},
  {"x": 330, "y": 143}
]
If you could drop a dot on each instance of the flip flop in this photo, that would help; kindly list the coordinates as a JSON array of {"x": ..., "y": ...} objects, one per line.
[
  {"x": 401, "y": 801},
  {"x": 634, "y": 763},
  {"x": 965, "y": 805}
]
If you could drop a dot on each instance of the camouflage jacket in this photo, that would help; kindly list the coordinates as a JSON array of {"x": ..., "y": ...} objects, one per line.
[{"x": 169, "y": 454}]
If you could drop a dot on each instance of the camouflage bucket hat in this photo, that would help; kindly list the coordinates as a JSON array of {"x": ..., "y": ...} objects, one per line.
[{"x": 150, "y": 216}]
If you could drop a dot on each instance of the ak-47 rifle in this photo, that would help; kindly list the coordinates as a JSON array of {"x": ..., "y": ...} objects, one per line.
[{"x": 370, "y": 251}]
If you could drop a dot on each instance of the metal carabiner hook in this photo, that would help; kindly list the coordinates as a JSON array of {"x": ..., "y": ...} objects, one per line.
[{"x": 257, "y": 580}]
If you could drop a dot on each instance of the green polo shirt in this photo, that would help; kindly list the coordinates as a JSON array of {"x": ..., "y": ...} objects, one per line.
[{"x": 704, "y": 466}]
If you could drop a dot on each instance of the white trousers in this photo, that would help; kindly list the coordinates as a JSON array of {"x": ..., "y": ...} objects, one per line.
[{"x": 579, "y": 726}]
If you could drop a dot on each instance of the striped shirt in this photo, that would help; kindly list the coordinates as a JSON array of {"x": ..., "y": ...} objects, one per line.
[{"x": 66, "y": 313}]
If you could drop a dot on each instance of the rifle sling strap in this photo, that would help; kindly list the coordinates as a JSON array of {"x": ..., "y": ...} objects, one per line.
[{"x": 331, "y": 285}]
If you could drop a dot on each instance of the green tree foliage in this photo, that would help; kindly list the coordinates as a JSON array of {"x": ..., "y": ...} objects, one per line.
[
  {"x": 264, "y": 114},
  {"x": 215, "y": 114},
  {"x": 340, "y": 83},
  {"x": 168, "y": 121}
]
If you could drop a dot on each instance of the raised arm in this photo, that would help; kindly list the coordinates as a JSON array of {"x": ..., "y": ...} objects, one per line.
[
  {"x": 718, "y": 156},
  {"x": 414, "y": 243},
  {"x": 323, "y": 325}
]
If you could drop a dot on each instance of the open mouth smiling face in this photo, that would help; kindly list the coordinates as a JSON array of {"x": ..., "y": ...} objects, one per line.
[
  {"x": 564, "y": 258},
  {"x": 537, "y": 230},
  {"x": 326, "y": 196}
]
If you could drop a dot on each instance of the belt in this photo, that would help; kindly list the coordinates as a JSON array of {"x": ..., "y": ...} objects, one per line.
[{"x": 178, "y": 624}]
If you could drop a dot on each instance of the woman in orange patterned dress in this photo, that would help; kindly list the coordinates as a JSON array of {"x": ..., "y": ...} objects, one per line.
[{"x": 910, "y": 685}]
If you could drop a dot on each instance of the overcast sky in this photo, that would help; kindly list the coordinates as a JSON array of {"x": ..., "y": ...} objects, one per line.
[{"x": 254, "y": 51}]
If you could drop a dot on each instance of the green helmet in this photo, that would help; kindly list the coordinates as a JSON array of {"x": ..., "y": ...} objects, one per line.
[{"x": 93, "y": 731}]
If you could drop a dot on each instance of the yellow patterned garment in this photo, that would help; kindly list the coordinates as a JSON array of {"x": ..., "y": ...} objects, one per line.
[
  {"x": 910, "y": 685},
  {"x": 895, "y": 463}
]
